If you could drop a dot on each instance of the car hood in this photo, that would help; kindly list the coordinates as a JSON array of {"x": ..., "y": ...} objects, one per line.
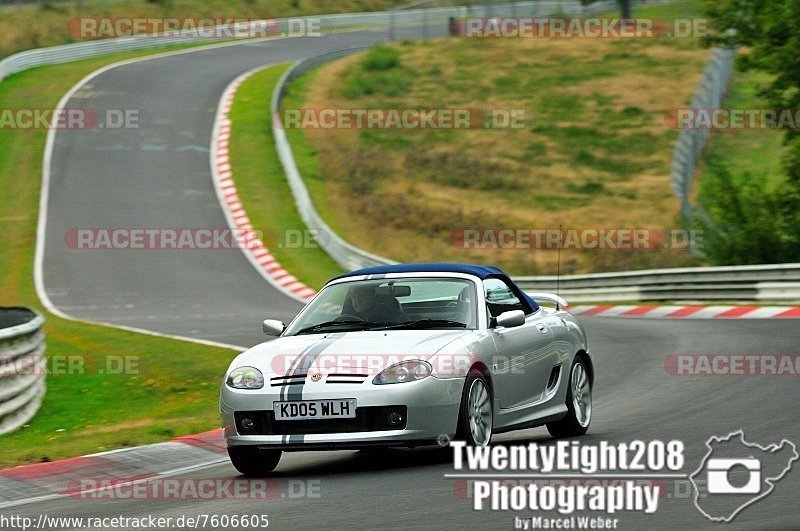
[{"x": 346, "y": 350}]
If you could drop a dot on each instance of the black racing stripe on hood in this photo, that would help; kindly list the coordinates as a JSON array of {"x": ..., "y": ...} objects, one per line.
[{"x": 300, "y": 366}]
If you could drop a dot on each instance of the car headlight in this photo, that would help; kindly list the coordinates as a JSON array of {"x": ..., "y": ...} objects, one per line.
[
  {"x": 405, "y": 371},
  {"x": 245, "y": 378}
]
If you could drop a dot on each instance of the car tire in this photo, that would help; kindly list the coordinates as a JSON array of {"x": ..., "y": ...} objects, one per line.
[
  {"x": 476, "y": 403},
  {"x": 253, "y": 461},
  {"x": 579, "y": 412}
]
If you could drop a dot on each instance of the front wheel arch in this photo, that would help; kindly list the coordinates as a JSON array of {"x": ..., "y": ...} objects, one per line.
[
  {"x": 484, "y": 370},
  {"x": 463, "y": 432},
  {"x": 571, "y": 425},
  {"x": 587, "y": 360}
]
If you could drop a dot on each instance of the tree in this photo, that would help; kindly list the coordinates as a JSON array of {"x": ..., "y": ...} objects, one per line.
[
  {"x": 771, "y": 31},
  {"x": 746, "y": 219}
]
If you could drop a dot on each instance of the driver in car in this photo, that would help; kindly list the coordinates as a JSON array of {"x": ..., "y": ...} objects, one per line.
[{"x": 375, "y": 307}]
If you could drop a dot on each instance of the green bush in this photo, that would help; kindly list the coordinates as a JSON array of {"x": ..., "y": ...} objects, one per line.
[
  {"x": 381, "y": 58},
  {"x": 771, "y": 32},
  {"x": 380, "y": 72},
  {"x": 745, "y": 220}
]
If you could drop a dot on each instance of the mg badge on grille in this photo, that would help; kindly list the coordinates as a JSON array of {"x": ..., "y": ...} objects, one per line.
[{"x": 316, "y": 377}]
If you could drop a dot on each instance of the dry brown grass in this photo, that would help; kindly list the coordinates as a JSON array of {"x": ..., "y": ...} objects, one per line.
[
  {"x": 595, "y": 153},
  {"x": 31, "y": 26}
]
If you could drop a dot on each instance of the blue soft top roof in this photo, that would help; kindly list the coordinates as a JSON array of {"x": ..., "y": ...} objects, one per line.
[{"x": 480, "y": 271}]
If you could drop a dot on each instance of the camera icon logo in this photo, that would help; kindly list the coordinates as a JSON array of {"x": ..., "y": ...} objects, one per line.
[
  {"x": 736, "y": 473},
  {"x": 719, "y": 471}
]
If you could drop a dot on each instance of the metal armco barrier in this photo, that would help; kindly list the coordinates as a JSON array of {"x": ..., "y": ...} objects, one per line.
[
  {"x": 345, "y": 254},
  {"x": 691, "y": 142},
  {"x": 388, "y": 20},
  {"x": 74, "y": 52},
  {"x": 770, "y": 282},
  {"x": 22, "y": 366},
  {"x": 779, "y": 282}
]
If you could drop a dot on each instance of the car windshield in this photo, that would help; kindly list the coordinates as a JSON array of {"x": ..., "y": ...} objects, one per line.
[{"x": 390, "y": 304}]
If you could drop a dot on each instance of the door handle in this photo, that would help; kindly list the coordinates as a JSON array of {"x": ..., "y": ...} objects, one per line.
[{"x": 541, "y": 328}]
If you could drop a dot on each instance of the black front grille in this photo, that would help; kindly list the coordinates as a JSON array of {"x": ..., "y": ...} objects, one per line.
[
  {"x": 366, "y": 419},
  {"x": 296, "y": 379},
  {"x": 335, "y": 378}
]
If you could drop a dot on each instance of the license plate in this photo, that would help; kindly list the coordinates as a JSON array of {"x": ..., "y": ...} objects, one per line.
[{"x": 315, "y": 409}]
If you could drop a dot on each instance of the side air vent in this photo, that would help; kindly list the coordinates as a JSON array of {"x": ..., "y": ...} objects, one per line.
[{"x": 553, "y": 380}]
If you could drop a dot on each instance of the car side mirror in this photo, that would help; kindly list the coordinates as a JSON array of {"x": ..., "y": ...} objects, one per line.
[
  {"x": 272, "y": 327},
  {"x": 511, "y": 319}
]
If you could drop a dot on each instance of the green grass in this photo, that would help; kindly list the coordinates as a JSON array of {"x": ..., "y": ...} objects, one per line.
[
  {"x": 682, "y": 9},
  {"x": 262, "y": 186},
  {"x": 176, "y": 390},
  {"x": 380, "y": 72},
  {"x": 174, "y": 393},
  {"x": 594, "y": 151},
  {"x": 748, "y": 151},
  {"x": 306, "y": 155}
]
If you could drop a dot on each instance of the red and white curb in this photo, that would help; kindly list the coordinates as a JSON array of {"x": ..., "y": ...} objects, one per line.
[
  {"x": 689, "y": 312},
  {"x": 255, "y": 250},
  {"x": 87, "y": 475}
]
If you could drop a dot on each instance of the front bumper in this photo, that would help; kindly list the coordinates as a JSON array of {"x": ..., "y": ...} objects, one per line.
[{"x": 431, "y": 404}]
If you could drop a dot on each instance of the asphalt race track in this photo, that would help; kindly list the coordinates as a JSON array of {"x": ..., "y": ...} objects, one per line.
[
  {"x": 150, "y": 177},
  {"x": 158, "y": 176},
  {"x": 634, "y": 398}
]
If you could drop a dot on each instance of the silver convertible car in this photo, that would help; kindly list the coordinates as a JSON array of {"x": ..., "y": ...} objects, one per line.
[{"x": 408, "y": 355}]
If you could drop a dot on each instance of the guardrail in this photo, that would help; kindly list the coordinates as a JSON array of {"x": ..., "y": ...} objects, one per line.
[
  {"x": 74, "y": 52},
  {"x": 779, "y": 282},
  {"x": 728, "y": 283},
  {"x": 764, "y": 282},
  {"x": 22, "y": 375},
  {"x": 388, "y": 20},
  {"x": 345, "y": 254},
  {"x": 691, "y": 142}
]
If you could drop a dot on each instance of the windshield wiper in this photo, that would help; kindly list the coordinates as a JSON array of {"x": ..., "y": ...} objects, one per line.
[
  {"x": 332, "y": 324},
  {"x": 425, "y": 323}
]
